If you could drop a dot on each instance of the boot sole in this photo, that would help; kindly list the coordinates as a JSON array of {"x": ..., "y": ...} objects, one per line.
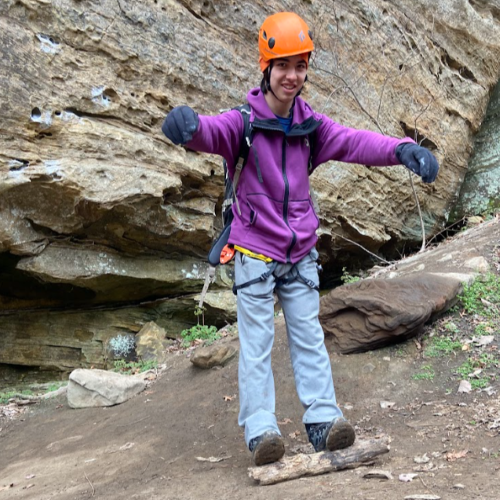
[
  {"x": 269, "y": 450},
  {"x": 341, "y": 436}
]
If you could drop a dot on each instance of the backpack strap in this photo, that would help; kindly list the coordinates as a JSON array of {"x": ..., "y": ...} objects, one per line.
[{"x": 245, "y": 144}]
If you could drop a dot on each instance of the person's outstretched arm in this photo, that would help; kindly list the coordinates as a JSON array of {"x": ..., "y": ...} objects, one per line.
[
  {"x": 219, "y": 134},
  {"x": 336, "y": 142}
]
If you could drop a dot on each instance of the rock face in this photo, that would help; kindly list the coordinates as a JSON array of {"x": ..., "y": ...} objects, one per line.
[
  {"x": 481, "y": 188},
  {"x": 98, "y": 209}
]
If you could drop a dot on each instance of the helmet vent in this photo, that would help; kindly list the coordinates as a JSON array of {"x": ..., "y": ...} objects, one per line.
[
  {"x": 271, "y": 43},
  {"x": 310, "y": 34},
  {"x": 264, "y": 35}
]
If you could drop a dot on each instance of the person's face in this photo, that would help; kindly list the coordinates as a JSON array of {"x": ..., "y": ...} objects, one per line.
[{"x": 287, "y": 77}]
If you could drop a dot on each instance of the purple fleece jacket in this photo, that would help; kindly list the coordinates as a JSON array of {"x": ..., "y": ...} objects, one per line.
[{"x": 277, "y": 215}]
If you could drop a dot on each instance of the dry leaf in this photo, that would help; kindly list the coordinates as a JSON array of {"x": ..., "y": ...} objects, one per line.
[
  {"x": 285, "y": 421},
  {"x": 455, "y": 455},
  {"x": 484, "y": 340},
  {"x": 294, "y": 435},
  {"x": 228, "y": 398},
  {"x": 422, "y": 460},
  {"x": 424, "y": 467}
]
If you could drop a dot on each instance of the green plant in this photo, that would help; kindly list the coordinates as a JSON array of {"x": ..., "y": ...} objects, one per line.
[
  {"x": 199, "y": 332},
  {"x": 480, "y": 383},
  {"x": 347, "y": 277},
  {"x": 427, "y": 373},
  {"x": 441, "y": 346},
  {"x": 5, "y": 396},
  {"x": 482, "y": 296},
  {"x": 54, "y": 386},
  {"x": 473, "y": 364},
  {"x": 451, "y": 327},
  {"x": 132, "y": 367},
  {"x": 484, "y": 328}
]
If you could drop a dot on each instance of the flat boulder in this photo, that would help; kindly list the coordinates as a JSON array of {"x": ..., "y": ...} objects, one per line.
[
  {"x": 91, "y": 388},
  {"x": 377, "y": 312}
]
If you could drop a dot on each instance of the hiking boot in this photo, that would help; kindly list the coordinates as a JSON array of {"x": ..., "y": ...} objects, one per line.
[
  {"x": 334, "y": 435},
  {"x": 267, "y": 448}
]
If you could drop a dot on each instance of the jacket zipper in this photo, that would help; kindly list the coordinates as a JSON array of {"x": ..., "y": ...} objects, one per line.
[{"x": 285, "y": 200}]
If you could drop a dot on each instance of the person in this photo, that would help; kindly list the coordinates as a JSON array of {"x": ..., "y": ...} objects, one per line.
[{"x": 274, "y": 229}]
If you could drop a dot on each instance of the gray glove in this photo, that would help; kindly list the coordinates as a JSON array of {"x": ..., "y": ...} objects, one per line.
[
  {"x": 419, "y": 160},
  {"x": 180, "y": 124}
]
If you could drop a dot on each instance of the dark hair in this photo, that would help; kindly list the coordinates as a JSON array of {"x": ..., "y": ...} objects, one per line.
[{"x": 265, "y": 83}]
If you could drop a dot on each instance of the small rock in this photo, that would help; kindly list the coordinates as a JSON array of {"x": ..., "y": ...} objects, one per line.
[
  {"x": 474, "y": 220},
  {"x": 464, "y": 387},
  {"x": 459, "y": 486},
  {"x": 387, "y": 404},
  {"x": 479, "y": 264},
  {"x": 215, "y": 355},
  {"x": 407, "y": 478}
]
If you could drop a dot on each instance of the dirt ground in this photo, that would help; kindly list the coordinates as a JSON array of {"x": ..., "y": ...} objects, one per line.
[{"x": 154, "y": 446}]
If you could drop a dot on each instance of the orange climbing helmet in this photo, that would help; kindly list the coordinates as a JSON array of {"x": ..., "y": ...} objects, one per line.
[{"x": 281, "y": 35}]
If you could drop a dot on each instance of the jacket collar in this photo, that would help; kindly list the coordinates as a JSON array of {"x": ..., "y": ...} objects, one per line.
[{"x": 304, "y": 121}]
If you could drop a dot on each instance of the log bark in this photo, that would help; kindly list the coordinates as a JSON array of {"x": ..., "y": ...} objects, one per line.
[{"x": 319, "y": 463}]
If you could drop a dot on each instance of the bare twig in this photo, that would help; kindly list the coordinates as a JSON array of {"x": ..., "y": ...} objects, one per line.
[
  {"x": 382, "y": 96},
  {"x": 446, "y": 229},
  {"x": 361, "y": 246},
  {"x": 422, "y": 248},
  {"x": 354, "y": 95},
  {"x": 91, "y": 485}
]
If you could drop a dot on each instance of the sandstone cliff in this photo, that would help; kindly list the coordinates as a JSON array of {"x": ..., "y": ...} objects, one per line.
[{"x": 99, "y": 209}]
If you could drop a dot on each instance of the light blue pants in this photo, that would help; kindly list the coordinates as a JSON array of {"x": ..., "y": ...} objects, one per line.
[{"x": 310, "y": 360}]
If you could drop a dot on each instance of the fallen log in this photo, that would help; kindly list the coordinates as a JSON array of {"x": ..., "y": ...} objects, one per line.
[{"x": 320, "y": 463}]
